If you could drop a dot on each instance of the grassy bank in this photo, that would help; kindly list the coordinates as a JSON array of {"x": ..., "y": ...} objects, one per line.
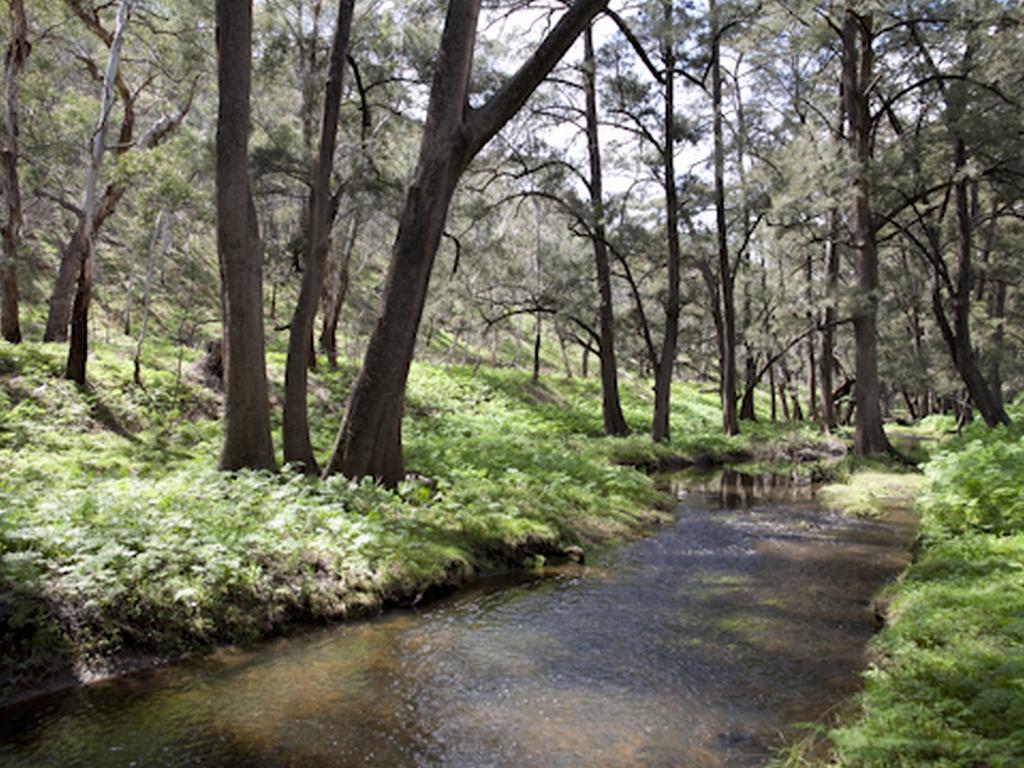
[
  {"x": 947, "y": 684},
  {"x": 118, "y": 538}
]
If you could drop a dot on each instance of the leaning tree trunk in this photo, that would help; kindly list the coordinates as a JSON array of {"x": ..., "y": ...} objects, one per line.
[
  {"x": 369, "y": 442},
  {"x": 247, "y": 442},
  {"x": 858, "y": 59},
  {"x": 727, "y": 283},
  {"x": 611, "y": 406},
  {"x": 962, "y": 348},
  {"x": 78, "y": 350},
  {"x": 298, "y": 449},
  {"x": 17, "y": 53},
  {"x": 660, "y": 428}
]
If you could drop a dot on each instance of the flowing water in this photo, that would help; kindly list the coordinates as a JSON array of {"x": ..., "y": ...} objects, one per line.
[{"x": 695, "y": 647}]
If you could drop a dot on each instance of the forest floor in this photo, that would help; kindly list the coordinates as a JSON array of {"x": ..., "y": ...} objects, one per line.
[{"x": 122, "y": 545}]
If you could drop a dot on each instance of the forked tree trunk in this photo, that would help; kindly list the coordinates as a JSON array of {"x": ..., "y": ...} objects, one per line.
[
  {"x": 78, "y": 350},
  {"x": 660, "y": 428},
  {"x": 858, "y": 64},
  {"x": 369, "y": 442},
  {"x": 247, "y": 442},
  {"x": 298, "y": 449},
  {"x": 611, "y": 406},
  {"x": 17, "y": 54}
]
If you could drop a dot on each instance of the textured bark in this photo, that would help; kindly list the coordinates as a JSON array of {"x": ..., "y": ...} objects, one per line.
[
  {"x": 298, "y": 449},
  {"x": 611, "y": 405},
  {"x": 78, "y": 349},
  {"x": 858, "y": 63},
  {"x": 369, "y": 442},
  {"x": 660, "y": 428},
  {"x": 727, "y": 282},
  {"x": 247, "y": 442},
  {"x": 18, "y": 49}
]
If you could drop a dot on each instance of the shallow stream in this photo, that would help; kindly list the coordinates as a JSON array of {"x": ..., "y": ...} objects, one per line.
[{"x": 698, "y": 646}]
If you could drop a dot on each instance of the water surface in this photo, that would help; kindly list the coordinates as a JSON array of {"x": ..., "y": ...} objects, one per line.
[{"x": 698, "y": 646}]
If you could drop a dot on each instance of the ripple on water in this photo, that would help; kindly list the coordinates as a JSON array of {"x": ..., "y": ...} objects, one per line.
[{"x": 694, "y": 647}]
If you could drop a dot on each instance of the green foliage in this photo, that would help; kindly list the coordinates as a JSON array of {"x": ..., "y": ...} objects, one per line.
[{"x": 947, "y": 688}]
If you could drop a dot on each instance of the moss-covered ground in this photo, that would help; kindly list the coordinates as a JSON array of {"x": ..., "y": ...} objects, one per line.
[{"x": 119, "y": 539}]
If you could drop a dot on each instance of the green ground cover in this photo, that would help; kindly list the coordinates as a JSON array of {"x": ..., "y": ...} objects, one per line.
[
  {"x": 947, "y": 685},
  {"x": 118, "y": 537}
]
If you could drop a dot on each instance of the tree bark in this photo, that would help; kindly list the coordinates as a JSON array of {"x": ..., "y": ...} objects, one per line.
[
  {"x": 611, "y": 405},
  {"x": 660, "y": 428},
  {"x": 247, "y": 442},
  {"x": 858, "y": 63},
  {"x": 161, "y": 232},
  {"x": 298, "y": 449},
  {"x": 18, "y": 49},
  {"x": 730, "y": 419},
  {"x": 961, "y": 346},
  {"x": 78, "y": 349},
  {"x": 369, "y": 442}
]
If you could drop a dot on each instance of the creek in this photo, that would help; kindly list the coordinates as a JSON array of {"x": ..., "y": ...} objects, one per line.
[{"x": 699, "y": 646}]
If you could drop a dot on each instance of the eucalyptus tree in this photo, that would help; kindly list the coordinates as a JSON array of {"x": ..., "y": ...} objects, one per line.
[
  {"x": 73, "y": 282},
  {"x": 247, "y": 442},
  {"x": 18, "y": 49},
  {"x": 369, "y": 442},
  {"x": 320, "y": 216}
]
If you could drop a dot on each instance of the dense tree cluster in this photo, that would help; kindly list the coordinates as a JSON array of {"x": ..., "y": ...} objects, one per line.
[{"x": 815, "y": 206}]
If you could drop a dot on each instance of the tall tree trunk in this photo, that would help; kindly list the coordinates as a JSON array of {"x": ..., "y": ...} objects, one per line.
[
  {"x": 17, "y": 54},
  {"x": 298, "y": 449},
  {"x": 730, "y": 419},
  {"x": 962, "y": 348},
  {"x": 858, "y": 63},
  {"x": 611, "y": 405},
  {"x": 660, "y": 428},
  {"x": 812, "y": 378},
  {"x": 369, "y": 442},
  {"x": 537, "y": 317},
  {"x": 828, "y": 406},
  {"x": 78, "y": 350},
  {"x": 247, "y": 442}
]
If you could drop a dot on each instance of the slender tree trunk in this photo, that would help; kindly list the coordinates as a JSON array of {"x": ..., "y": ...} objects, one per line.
[
  {"x": 611, "y": 405},
  {"x": 537, "y": 318},
  {"x": 828, "y": 406},
  {"x": 858, "y": 64},
  {"x": 660, "y": 429},
  {"x": 369, "y": 442},
  {"x": 962, "y": 348},
  {"x": 332, "y": 310},
  {"x": 161, "y": 233},
  {"x": 727, "y": 282},
  {"x": 247, "y": 442},
  {"x": 812, "y": 378},
  {"x": 17, "y": 54},
  {"x": 995, "y": 375},
  {"x": 298, "y": 449},
  {"x": 78, "y": 350}
]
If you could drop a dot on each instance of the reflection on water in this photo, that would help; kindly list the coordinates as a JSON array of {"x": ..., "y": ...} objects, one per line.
[{"x": 694, "y": 648}]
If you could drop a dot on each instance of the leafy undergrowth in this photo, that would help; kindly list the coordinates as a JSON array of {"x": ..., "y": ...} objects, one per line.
[
  {"x": 947, "y": 687},
  {"x": 119, "y": 539},
  {"x": 871, "y": 488}
]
